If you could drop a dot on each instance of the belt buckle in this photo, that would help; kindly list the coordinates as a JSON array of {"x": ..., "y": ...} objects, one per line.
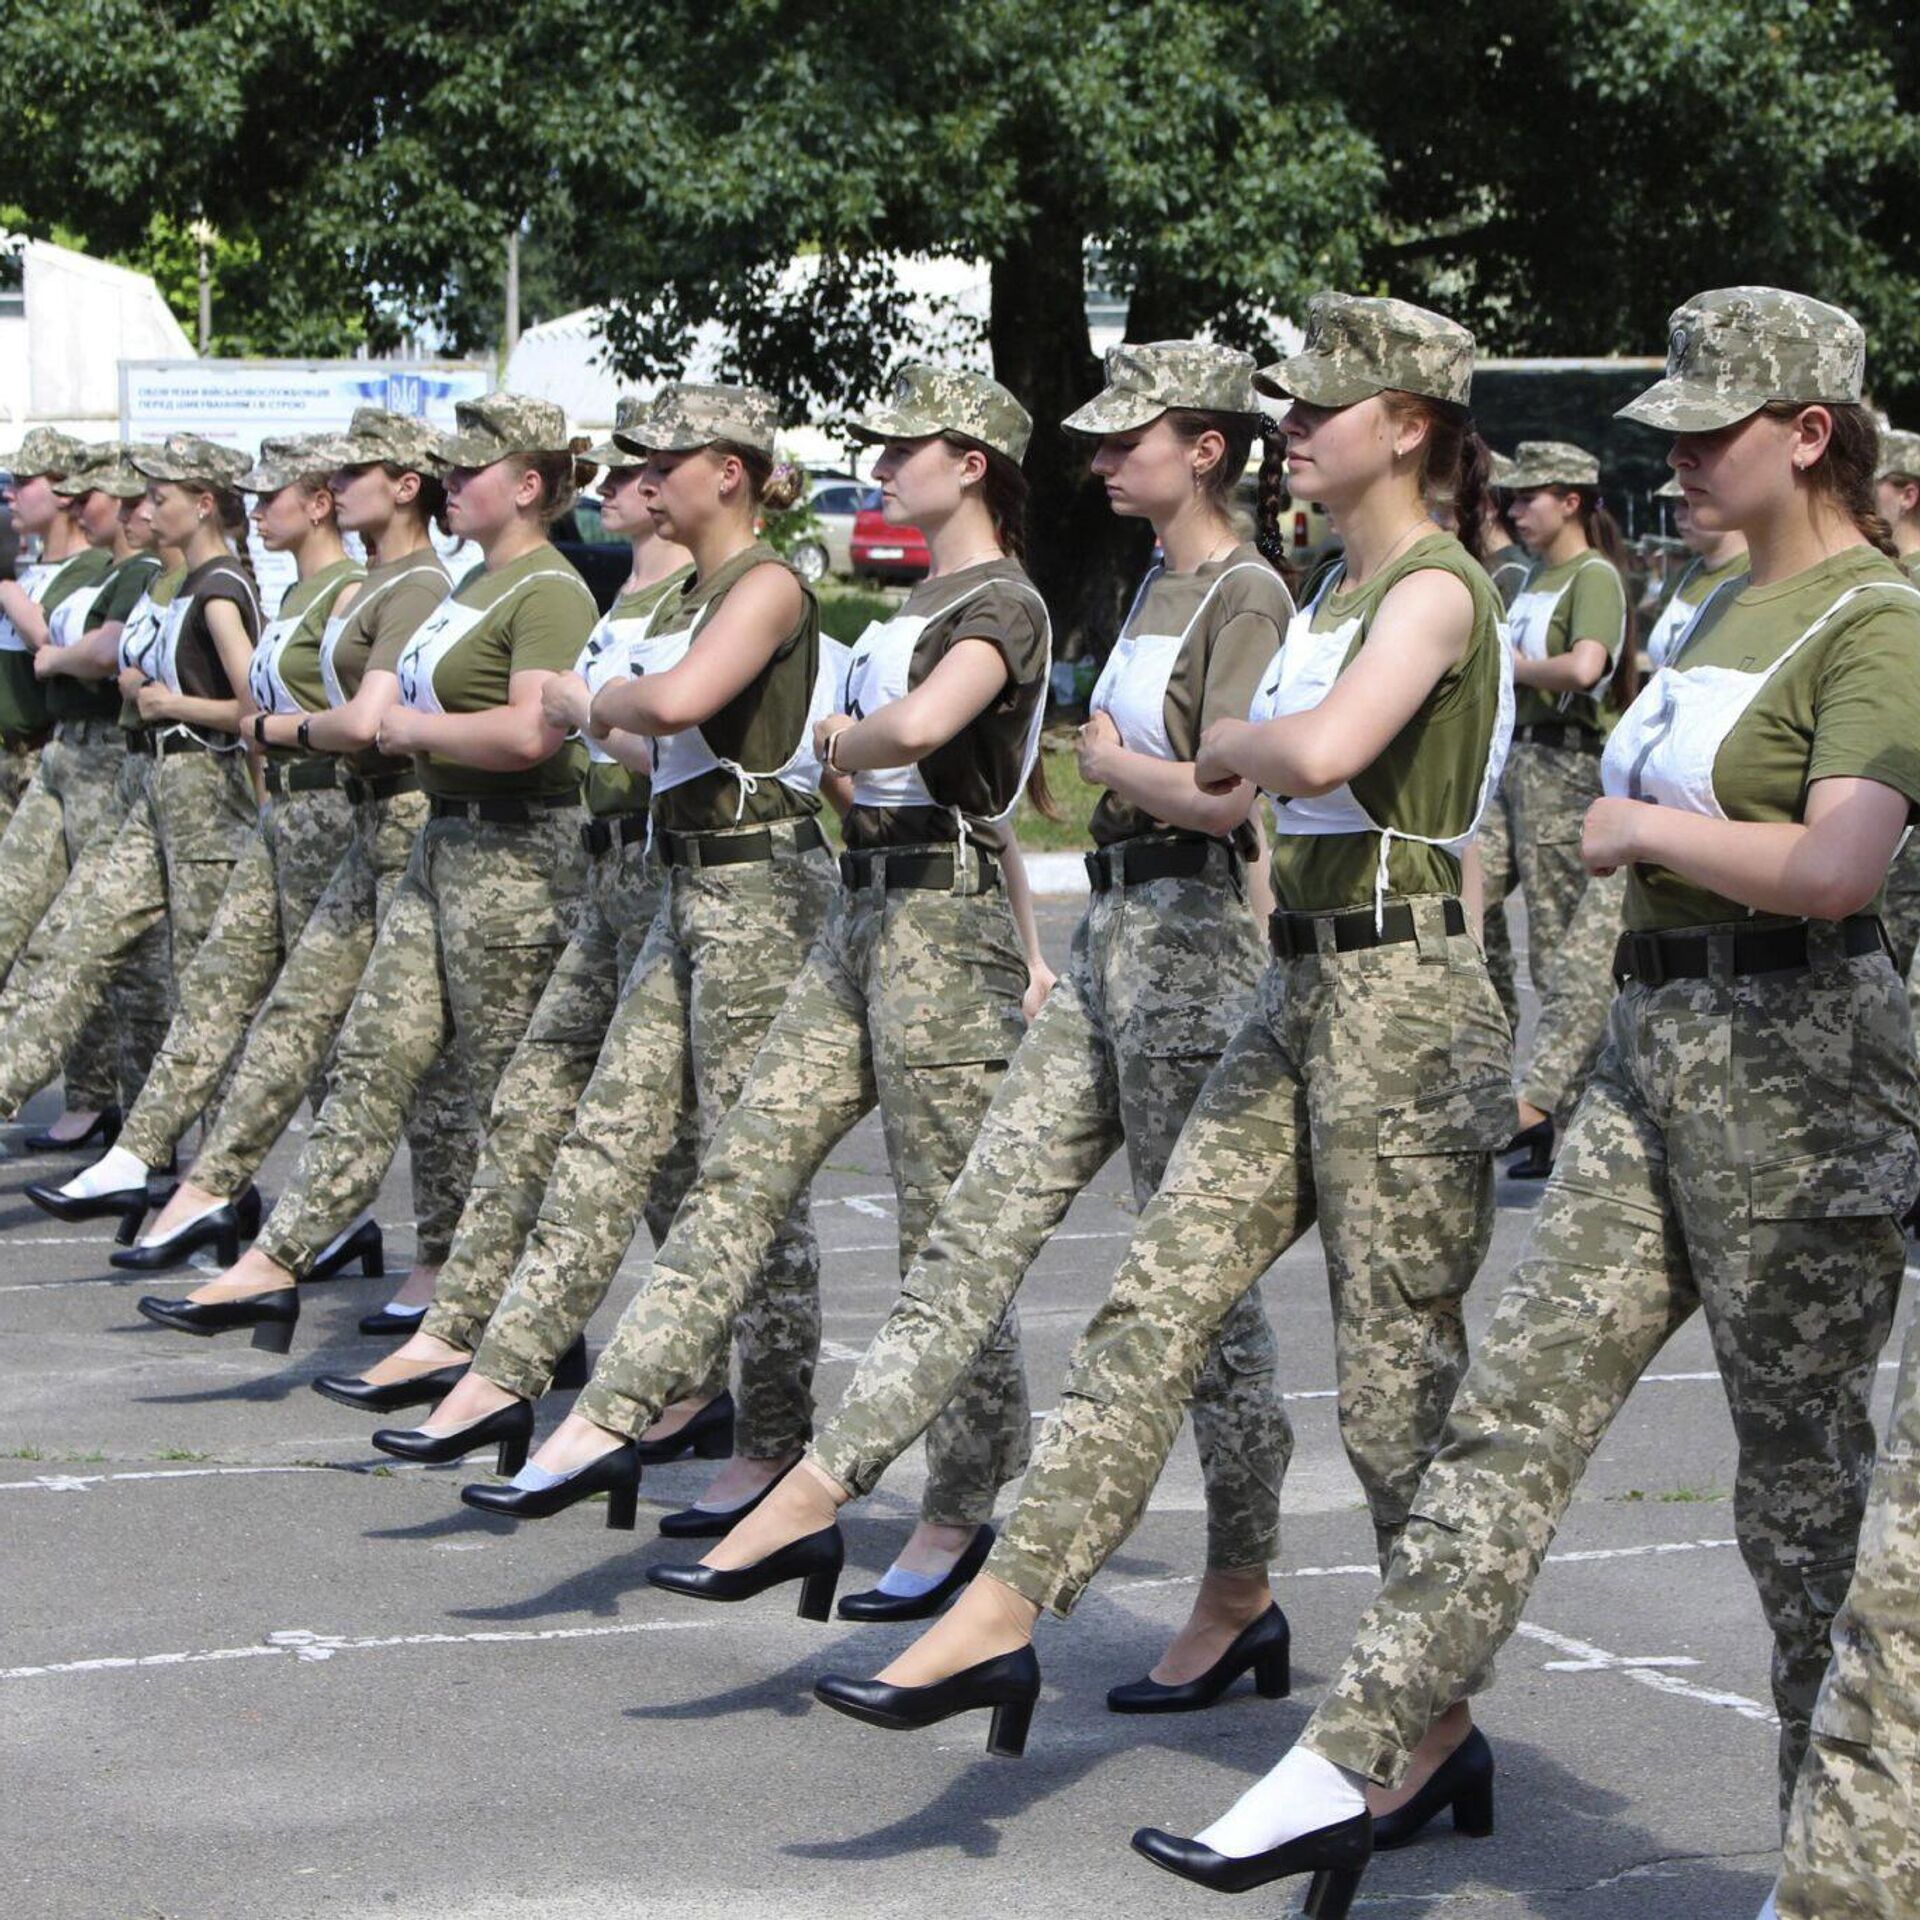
[{"x": 1650, "y": 961}]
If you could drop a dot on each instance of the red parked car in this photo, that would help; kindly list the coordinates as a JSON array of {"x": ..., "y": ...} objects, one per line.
[{"x": 878, "y": 551}]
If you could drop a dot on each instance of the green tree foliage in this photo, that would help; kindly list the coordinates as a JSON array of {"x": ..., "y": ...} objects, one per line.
[{"x": 1556, "y": 172}]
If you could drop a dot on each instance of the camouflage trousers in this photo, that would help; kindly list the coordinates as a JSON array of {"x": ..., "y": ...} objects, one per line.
[
  {"x": 1368, "y": 1091},
  {"x": 72, "y": 801},
  {"x": 1550, "y": 790},
  {"x": 273, "y": 887},
  {"x": 1853, "y": 1836},
  {"x": 717, "y": 966},
  {"x": 1900, "y": 906},
  {"x": 1161, "y": 975},
  {"x": 1573, "y": 1012},
  {"x": 167, "y": 864},
  {"x": 481, "y": 914},
  {"x": 1745, "y": 1149},
  {"x": 1499, "y": 876},
  {"x": 292, "y": 1036},
  {"x": 542, "y": 1088},
  {"x": 17, "y": 766},
  {"x": 910, "y": 999}
]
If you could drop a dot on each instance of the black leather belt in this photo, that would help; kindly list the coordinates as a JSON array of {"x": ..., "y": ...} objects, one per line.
[
  {"x": 301, "y": 776},
  {"x": 1294, "y": 936},
  {"x": 165, "y": 744},
  {"x": 733, "y": 849},
  {"x": 1561, "y": 733},
  {"x": 25, "y": 742},
  {"x": 519, "y": 811},
  {"x": 379, "y": 786},
  {"x": 1655, "y": 958},
  {"x": 1128, "y": 863},
  {"x": 927, "y": 869},
  {"x": 598, "y": 836}
]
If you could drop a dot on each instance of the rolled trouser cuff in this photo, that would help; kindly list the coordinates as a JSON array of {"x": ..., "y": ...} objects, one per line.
[
  {"x": 841, "y": 1461},
  {"x": 513, "y": 1373},
  {"x": 1034, "y": 1579},
  {"x": 458, "y": 1329},
  {"x": 614, "y": 1411},
  {"x": 1360, "y": 1749}
]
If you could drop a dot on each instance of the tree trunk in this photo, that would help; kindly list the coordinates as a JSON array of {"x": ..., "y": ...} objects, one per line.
[{"x": 1083, "y": 558}]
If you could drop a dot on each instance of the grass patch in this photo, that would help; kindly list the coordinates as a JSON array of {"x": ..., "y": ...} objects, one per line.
[
  {"x": 848, "y": 609},
  {"x": 54, "y": 1454},
  {"x": 1674, "y": 1496},
  {"x": 181, "y": 1453}
]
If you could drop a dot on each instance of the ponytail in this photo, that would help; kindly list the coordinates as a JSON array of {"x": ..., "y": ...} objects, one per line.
[
  {"x": 1456, "y": 464},
  {"x": 1847, "y": 468},
  {"x": 233, "y": 523},
  {"x": 1271, "y": 498},
  {"x": 1605, "y": 538}
]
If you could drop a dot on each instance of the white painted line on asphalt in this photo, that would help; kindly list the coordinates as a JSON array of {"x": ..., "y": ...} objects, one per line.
[
  {"x": 84, "y": 1482},
  {"x": 1652, "y": 1673},
  {"x": 298, "y": 1644},
  {"x": 873, "y": 1206}
]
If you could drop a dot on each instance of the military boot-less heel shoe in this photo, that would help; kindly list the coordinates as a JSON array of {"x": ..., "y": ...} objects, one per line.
[
  {"x": 1336, "y": 1856},
  {"x": 272, "y": 1316},
  {"x": 815, "y": 1560},
  {"x": 876, "y": 1605},
  {"x": 1264, "y": 1649},
  {"x": 1462, "y": 1781},
  {"x": 510, "y": 1428},
  {"x": 220, "y": 1229},
  {"x": 1008, "y": 1684},
  {"x": 130, "y": 1205},
  {"x": 363, "y": 1243},
  {"x": 105, "y": 1130},
  {"x": 707, "y": 1436},
  {"x": 615, "y": 1473}
]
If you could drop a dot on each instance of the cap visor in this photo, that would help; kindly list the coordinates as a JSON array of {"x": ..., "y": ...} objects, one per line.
[
  {"x": 458, "y": 450},
  {"x": 1114, "y": 410},
  {"x": 884, "y": 423},
  {"x": 1316, "y": 380},
  {"x": 1679, "y": 406},
  {"x": 608, "y": 453}
]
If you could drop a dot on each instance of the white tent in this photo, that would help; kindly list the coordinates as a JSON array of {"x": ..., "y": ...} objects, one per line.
[{"x": 60, "y": 357}]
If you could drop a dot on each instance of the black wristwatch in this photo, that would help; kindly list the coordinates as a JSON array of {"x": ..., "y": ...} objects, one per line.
[
  {"x": 259, "y": 729},
  {"x": 300, "y": 734}
]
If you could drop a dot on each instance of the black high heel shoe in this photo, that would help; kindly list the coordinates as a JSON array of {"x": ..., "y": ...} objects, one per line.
[
  {"x": 130, "y": 1205},
  {"x": 874, "y": 1605},
  {"x": 1264, "y": 1648},
  {"x": 1009, "y": 1684},
  {"x": 388, "y": 1320},
  {"x": 272, "y": 1315},
  {"x": 815, "y": 1560},
  {"x": 1336, "y": 1856},
  {"x": 1462, "y": 1781},
  {"x": 509, "y": 1428},
  {"x": 1534, "y": 1145},
  {"x": 364, "y": 1244},
  {"x": 708, "y": 1523},
  {"x": 221, "y": 1229},
  {"x": 105, "y": 1130},
  {"x": 707, "y": 1436},
  {"x": 422, "y": 1390},
  {"x": 616, "y": 1474}
]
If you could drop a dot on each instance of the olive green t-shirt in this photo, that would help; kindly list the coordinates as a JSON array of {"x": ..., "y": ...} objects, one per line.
[
  {"x": 1427, "y": 780},
  {"x": 159, "y": 596},
  {"x": 1912, "y": 563},
  {"x": 1847, "y": 705},
  {"x": 198, "y": 670},
  {"x": 1223, "y": 653},
  {"x": 611, "y": 787},
  {"x": 392, "y": 601},
  {"x": 24, "y": 707},
  {"x": 977, "y": 773},
  {"x": 309, "y": 604},
  {"x": 1592, "y": 605},
  {"x": 70, "y": 698},
  {"x": 1696, "y": 585},
  {"x": 1507, "y": 567},
  {"x": 760, "y": 727},
  {"x": 538, "y": 614}
]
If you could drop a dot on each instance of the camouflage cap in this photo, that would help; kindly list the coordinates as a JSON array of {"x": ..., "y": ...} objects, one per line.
[
  {"x": 1357, "y": 347},
  {"x": 188, "y": 458},
  {"x": 628, "y": 412},
  {"x": 377, "y": 437},
  {"x": 305, "y": 456},
  {"x": 1731, "y": 351},
  {"x": 685, "y": 414},
  {"x": 1144, "y": 381},
  {"x": 1899, "y": 454},
  {"x": 1551, "y": 463},
  {"x": 1673, "y": 490},
  {"x": 499, "y": 425},
  {"x": 1499, "y": 469},
  {"x": 108, "y": 470},
  {"x": 44, "y": 450},
  {"x": 924, "y": 400}
]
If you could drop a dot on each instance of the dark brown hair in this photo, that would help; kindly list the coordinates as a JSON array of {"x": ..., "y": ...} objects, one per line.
[
  {"x": 1455, "y": 463},
  {"x": 1605, "y": 538},
  {"x": 1846, "y": 471},
  {"x": 430, "y": 502},
  {"x": 232, "y": 510},
  {"x": 557, "y": 484}
]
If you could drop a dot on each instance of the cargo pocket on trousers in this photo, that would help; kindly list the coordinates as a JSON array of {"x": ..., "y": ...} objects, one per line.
[
  {"x": 1472, "y": 1116},
  {"x": 1868, "y": 1179}
]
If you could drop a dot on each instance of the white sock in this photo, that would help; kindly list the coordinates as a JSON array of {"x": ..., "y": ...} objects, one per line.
[
  {"x": 898, "y": 1584},
  {"x": 1770, "y": 1911},
  {"x": 1303, "y": 1792},
  {"x": 179, "y": 1226},
  {"x": 116, "y": 1171},
  {"x": 401, "y": 1308},
  {"x": 533, "y": 1478}
]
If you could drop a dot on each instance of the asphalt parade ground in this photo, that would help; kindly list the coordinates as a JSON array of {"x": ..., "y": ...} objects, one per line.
[{"x": 252, "y": 1672}]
